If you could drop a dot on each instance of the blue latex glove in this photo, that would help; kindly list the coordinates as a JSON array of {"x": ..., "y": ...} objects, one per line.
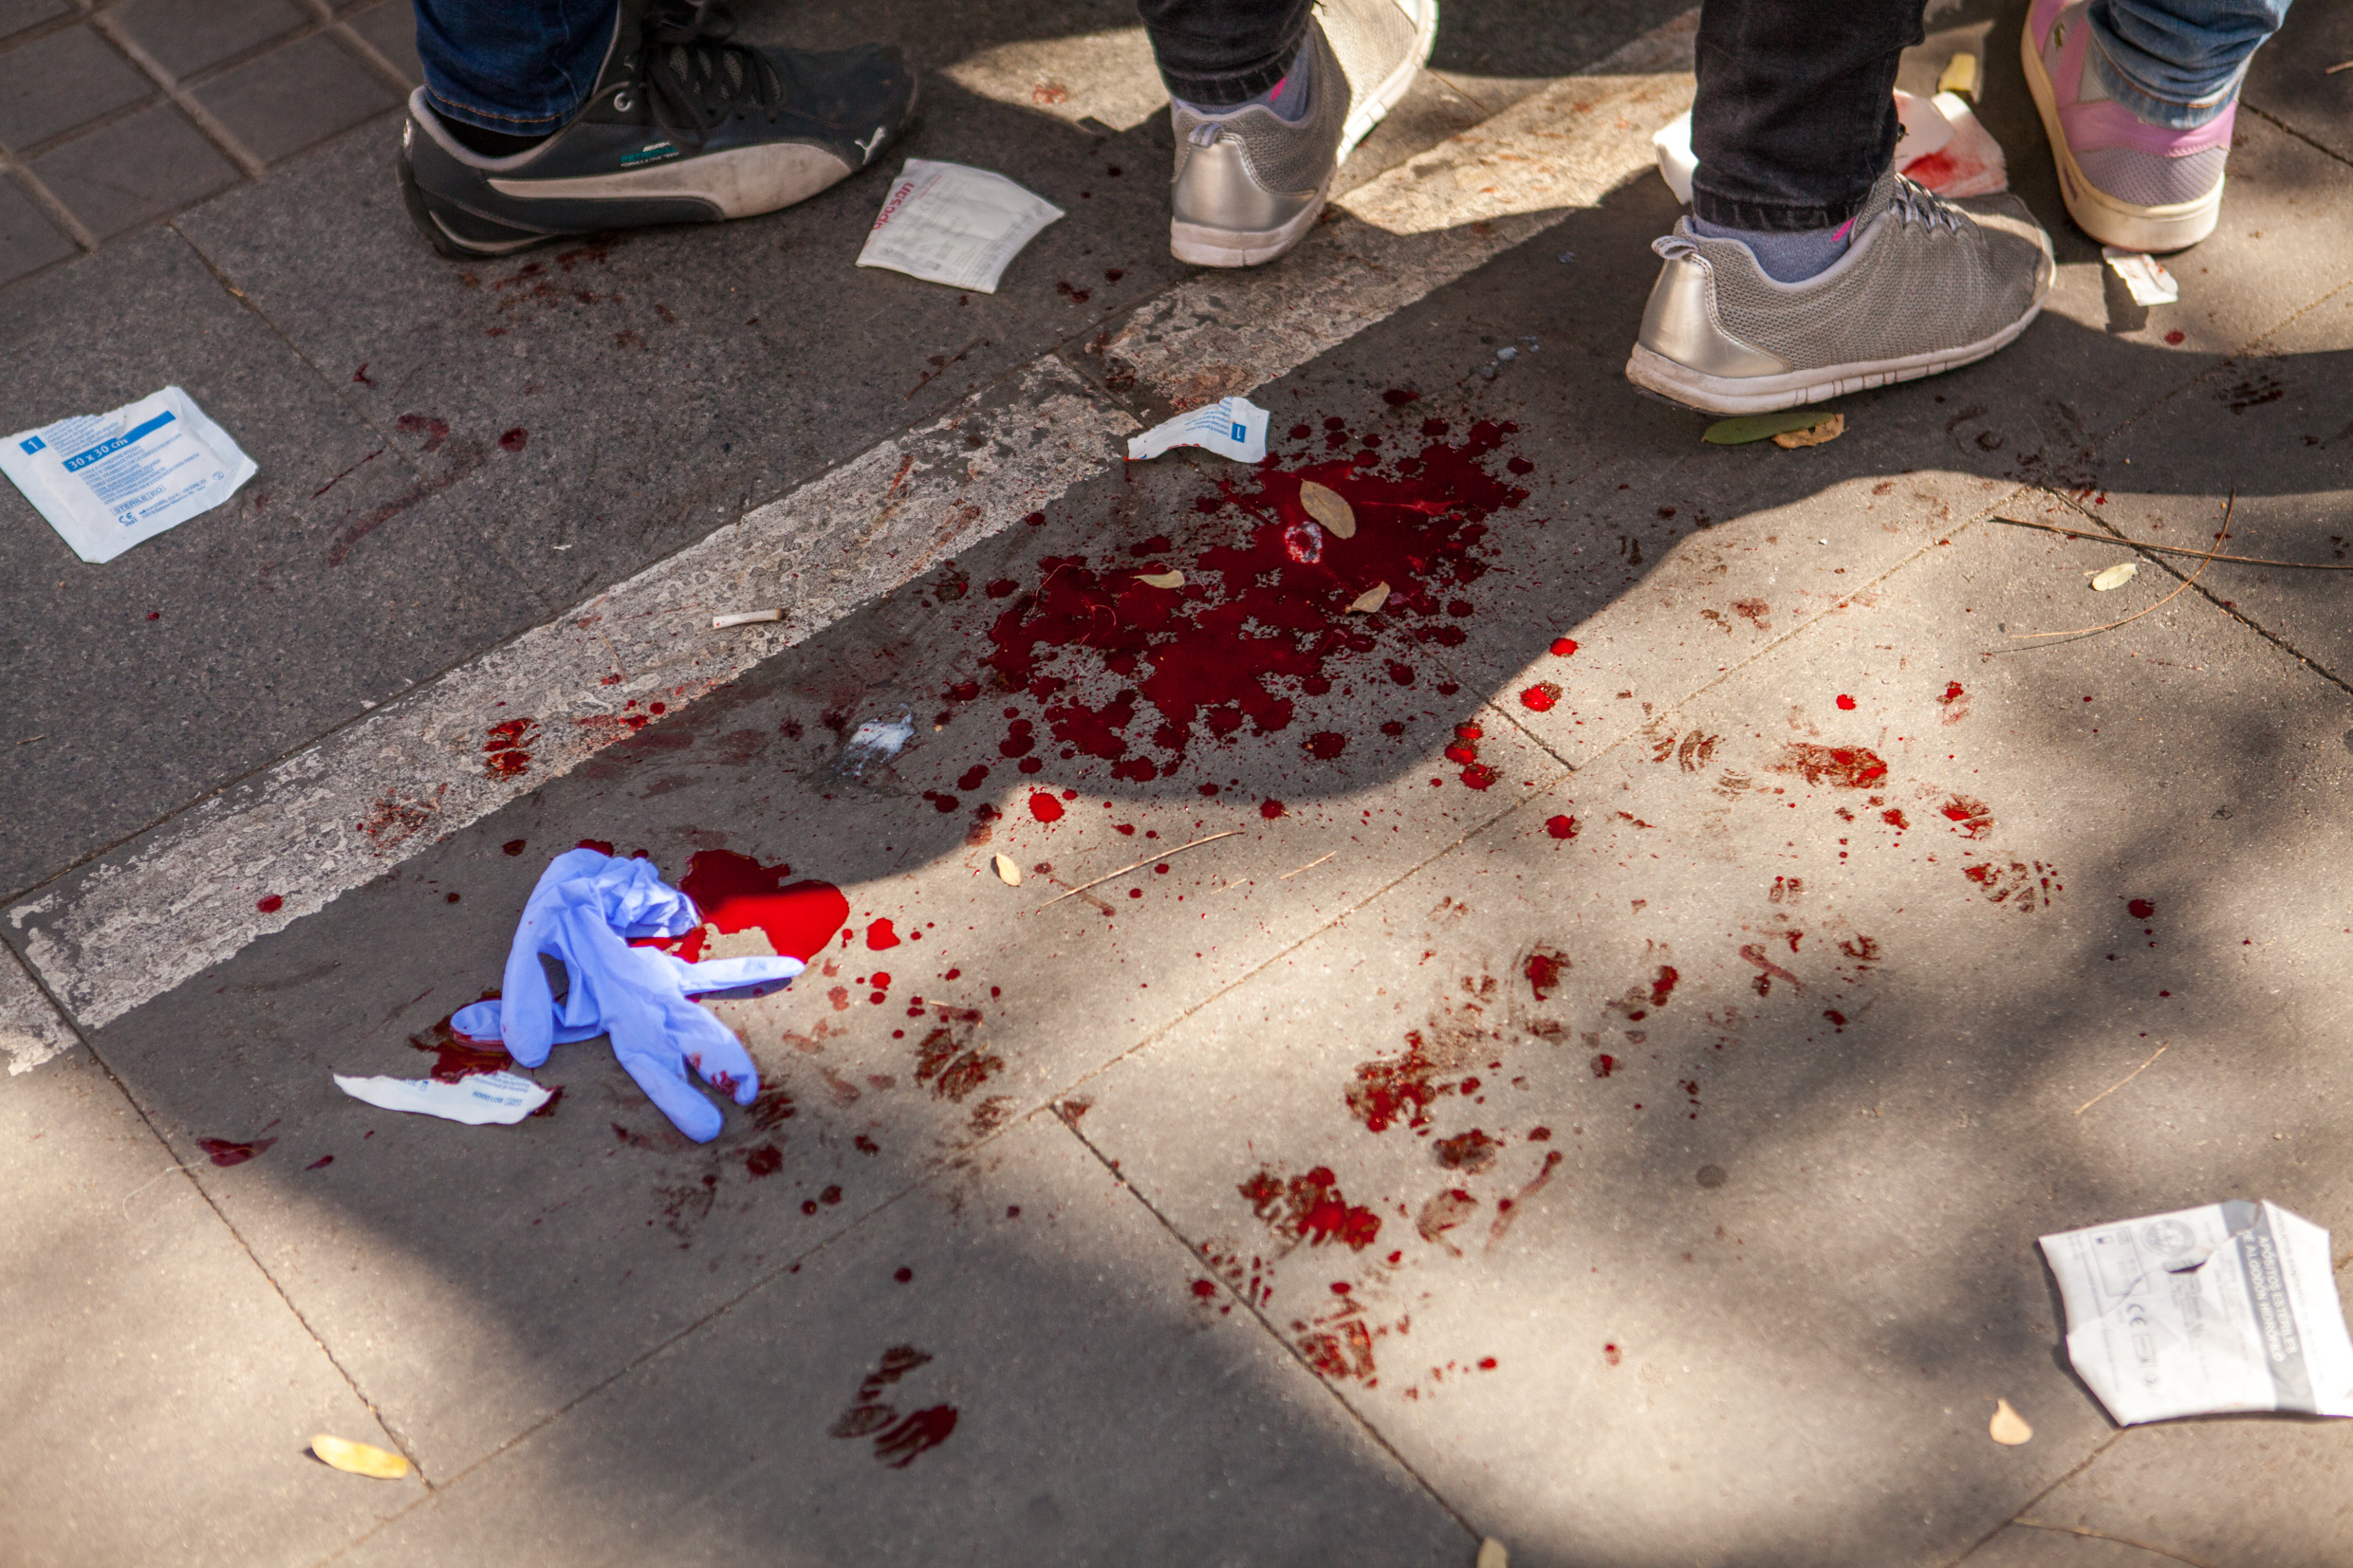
[{"x": 583, "y": 913}]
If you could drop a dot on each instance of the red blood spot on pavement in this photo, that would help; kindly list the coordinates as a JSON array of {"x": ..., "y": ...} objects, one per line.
[
  {"x": 1311, "y": 1208},
  {"x": 270, "y": 903},
  {"x": 1270, "y": 808},
  {"x": 1472, "y": 1150},
  {"x": 1397, "y": 1091},
  {"x": 1604, "y": 1064},
  {"x": 2175, "y": 336},
  {"x": 1561, "y": 827},
  {"x": 763, "y": 1161},
  {"x": 1486, "y": 1363},
  {"x": 915, "y": 1435},
  {"x": 1846, "y": 704},
  {"x": 1841, "y": 766},
  {"x": 505, "y": 747},
  {"x": 1663, "y": 986},
  {"x": 512, "y": 440},
  {"x": 323, "y": 1161},
  {"x": 737, "y": 893},
  {"x": 1895, "y": 818},
  {"x": 903, "y": 1275},
  {"x": 458, "y": 1056},
  {"x": 879, "y": 936},
  {"x": 1972, "y": 816},
  {"x": 1544, "y": 971},
  {"x": 1541, "y": 697},
  {"x": 222, "y": 1152},
  {"x": 1564, "y": 646},
  {"x": 1045, "y": 807},
  {"x": 1611, "y": 1354},
  {"x": 2141, "y": 909},
  {"x": 1326, "y": 743},
  {"x": 602, "y": 846},
  {"x": 515, "y": 846}
]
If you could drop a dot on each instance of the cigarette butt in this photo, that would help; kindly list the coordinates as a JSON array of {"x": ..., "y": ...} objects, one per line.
[{"x": 747, "y": 617}]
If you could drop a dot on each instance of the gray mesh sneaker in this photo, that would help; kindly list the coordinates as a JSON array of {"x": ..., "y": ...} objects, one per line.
[
  {"x": 1249, "y": 185},
  {"x": 1927, "y": 285}
]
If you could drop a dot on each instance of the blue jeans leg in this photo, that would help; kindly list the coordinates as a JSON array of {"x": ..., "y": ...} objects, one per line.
[
  {"x": 521, "y": 66},
  {"x": 2177, "y": 62}
]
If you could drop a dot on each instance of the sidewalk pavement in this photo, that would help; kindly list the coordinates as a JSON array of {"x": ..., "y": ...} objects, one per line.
[{"x": 1602, "y": 1095}]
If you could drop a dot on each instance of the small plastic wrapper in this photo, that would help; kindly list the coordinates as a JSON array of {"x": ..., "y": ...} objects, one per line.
[
  {"x": 945, "y": 223},
  {"x": 2229, "y": 1308},
  {"x": 107, "y": 481},
  {"x": 479, "y": 1099},
  {"x": 2144, "y": 275},
  {"x": 1231, "y": 426}
]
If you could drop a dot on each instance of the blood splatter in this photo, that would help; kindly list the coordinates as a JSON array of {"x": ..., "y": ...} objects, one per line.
[
  {"x": 1543, "y": 970},
  {"x": 1972, "y": 818},
  {"x": 1270, "y": 808},
  {"x": 2141, "y": 909},
  {"x": 514, "y": 847},
  {"x": 321, "y": 1163},
  {"x": 1841, "y": 766},
  {"x": 1311, "y": 1208},
  {"x": 1604, "y": 1064},
  {"x": 763, "y": 1161},
  {"x": 1846, "y": 704},
  {"x": 505, "y": 747},
  {"x": 1564, "y": 646},
  {"x": 270, "y": 903},
  {"x": 1260, "y": 617},
  {"x": 224, "y": 1153},
  {"x": 1396, "y": 1091},
  {"x": 1472, "y": 1151},
  {"x": 1443, "y": 1212},
  {"x": 601, "y": 845},
  {"x": 1205, "y": 1288},
  {"x": 1324, "y": 744},
  {"x": 1542, "y": 697},
  {"x": 1611, "y": 1354},
  {"x": 880, "y": 936},
  {"x": 737, "y": 893},
  {"x": 1045, "y": 807},
  {"x": 512, "y": 440},
  {"x": 1895, "y": 818},
  {"x": 1954, "y": 702},
  {"x": 458, "y": 1056},
  {"x": 1561, "y": 827}
]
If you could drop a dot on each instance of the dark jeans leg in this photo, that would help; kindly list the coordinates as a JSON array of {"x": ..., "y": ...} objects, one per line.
[
  {"x": 1795, "y": 118},
  {"x": 521, "y": 66},
  {"x": 1216, "y": 53}
]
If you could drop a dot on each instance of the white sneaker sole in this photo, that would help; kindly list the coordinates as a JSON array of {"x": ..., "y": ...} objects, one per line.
[
  {"x": 2097, "y": 213},
  {"x": 1200, "y": 245},
  {"x": 1654, "y": 372},
  {"x": 1371, "y": 108}
]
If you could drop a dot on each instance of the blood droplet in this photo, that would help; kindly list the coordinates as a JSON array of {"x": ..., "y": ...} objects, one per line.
[
  {"x": 270, "y": 903},
  {"x": 1561, "y": 827},
  {"x": 880, "y": 935},
  {"x": 1045, "y": 807}
]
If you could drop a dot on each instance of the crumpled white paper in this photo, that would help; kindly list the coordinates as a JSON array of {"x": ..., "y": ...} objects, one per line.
[
  {"x": 1943, "y": 147},
  {"x": 1231, "y": 426},
  {"x": 479, "y": 1099},
  {"x": 107, "y": 481},
  {"x": 945, "y": 223},
  {"x": 2144, "y": 275},
  {"x": 2229, "y": 1308}
]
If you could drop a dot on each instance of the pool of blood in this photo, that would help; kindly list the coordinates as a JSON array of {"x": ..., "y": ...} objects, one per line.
[{"x": 737, "y": 893}]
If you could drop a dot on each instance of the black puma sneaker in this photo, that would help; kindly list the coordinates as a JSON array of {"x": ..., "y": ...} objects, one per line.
[{"x": 684, "y": 127}]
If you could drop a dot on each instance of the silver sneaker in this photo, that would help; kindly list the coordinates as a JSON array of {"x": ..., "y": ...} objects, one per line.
[
  {"x": 1249, "y": 185},
  {"x": 1927, "y": 285}
]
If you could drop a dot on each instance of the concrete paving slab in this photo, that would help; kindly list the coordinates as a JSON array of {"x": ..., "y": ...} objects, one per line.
[
  {"x": 887, "y": 1060},
  {"x": 2288, "y": 80},
  {"x": 1531, "y": 1019},
  {"x": 329, "y": 582},
  {"x": 162, "y": 1394},
  {"x": 1043, "y": 1385},
  {"x": 130, "y": 171},
  {"x": 185, "y": 38},
  {"x": 29, "y": 240},
  {"x": 62, "y": 80},
  {"x": 296, "y": 97}
]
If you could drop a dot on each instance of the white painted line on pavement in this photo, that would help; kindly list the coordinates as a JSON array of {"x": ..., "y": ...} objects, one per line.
[{"x": 249, "y": 861}]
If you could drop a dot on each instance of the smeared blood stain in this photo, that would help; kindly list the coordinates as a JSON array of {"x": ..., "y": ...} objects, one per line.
[
  {"x": 2141, "y": 909},
  {"x": 458, "y": 1056},
  {"x": 270, "y": 903},
  {"x": 321, "y": 1163},
  {"x": 1895, "y": 818},
  {"x": 505, "y": 747},
  {"x": 1564, "y": 646},
  {"x": 900, "y": 1438},
  {"x": 1443, "y": 1212},
  {"x": 915, "y": 1435},
  {"x": 514, "y": 847},
  {"x": 1604, "y": 1064},
  {"x": 599, "y": 845},
  {"x": 763, "y": 1161},
  {"x": 1846, "y": 704},
  {"x": 1270, "y": 808},
  {"x": 1324, "y": 744},
  {"x": 737, "y": 893},
  {"x": 1954, "y": 702},
  {"x": 1612, "y": 1355},
  {"x": 224, "y": 1153},
  {"x": 1311, "y": 1208},
  {"x": 1662, "y": 986},
  {"x": 1396, "y": 1092},
  {"x": 1972, "y": 818},
  {"x": 1045, "y": 807},
  {"x": 1472, "y": 1151},
  {"x": 1543, "y": 970},
  {"x": 879, "y": 936},
  {"x": 512, "y": 440},
  {"x": 1841, "y": 766},
  {"x": 1260, "y": 619},
  {"x": 1561, "y": 827},
  {"x": 1542, "y": 697},
  {"x": 1205, "y": 1288}
]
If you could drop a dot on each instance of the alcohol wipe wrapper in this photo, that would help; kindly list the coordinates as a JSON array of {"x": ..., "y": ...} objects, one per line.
[
  {"x": 107, "y": 481},
  {"x": 2145, "y": 276},
  {"x": 2230, "y": 1308},
  {"x": 1231, "y": 426},
  {"x": 945, "y": 223},
  {"x": 479, "y": 1099}
]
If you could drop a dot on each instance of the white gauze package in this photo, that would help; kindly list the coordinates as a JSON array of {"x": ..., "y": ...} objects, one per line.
[
  {"x": 478, "y": 1100},
  {"x": 2230, "y": 1308},
  {"x": 945, "y": 223},
  {"x": 107, "y": 481},
  {"x": 1231, "y": 426}
]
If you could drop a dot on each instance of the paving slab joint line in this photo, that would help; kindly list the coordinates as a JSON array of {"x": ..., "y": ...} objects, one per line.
[
  {"x": 55, "y": 210},
  {"x": 1192, "y": 1254},
  {"x": 2286, "y": 129},
  {"x": 2081, "y": 1465},
  {"x": 360, "y": 47},
  {"x": 103, "y": 24}
]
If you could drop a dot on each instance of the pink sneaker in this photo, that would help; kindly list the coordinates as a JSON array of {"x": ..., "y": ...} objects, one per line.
[{"x": 2127, "y": 183}]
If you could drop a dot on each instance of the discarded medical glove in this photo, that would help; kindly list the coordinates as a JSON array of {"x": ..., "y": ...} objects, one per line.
[{"x": 585, "y": 912}]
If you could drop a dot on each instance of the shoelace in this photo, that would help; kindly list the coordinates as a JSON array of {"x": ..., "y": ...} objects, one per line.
[
  {"x": 692, "y": 77},
  {"x": 1915, "y": 204}
]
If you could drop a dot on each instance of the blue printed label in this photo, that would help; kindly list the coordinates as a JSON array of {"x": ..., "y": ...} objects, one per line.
[
  {"x": 1241, "y": 432},
  {"x": 34, "y": 444},
  {"x": 107, "y": 448}
]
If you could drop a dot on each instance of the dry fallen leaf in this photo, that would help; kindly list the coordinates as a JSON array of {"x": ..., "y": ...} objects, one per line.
[
  {"x": 358, "y": 1458},
  {"x": 1813, "y": 435},
  {"x": 1370, "y": 599},
  {"x": 1326, "y": 507},
  {"x": 1492, "y": 1554},
  {"x": 2116, "y": 576},
  {"x": 2008, "y": 1428},
  {"x": 1162, "y": 580},
  {"x": 1008, "y": 873}
]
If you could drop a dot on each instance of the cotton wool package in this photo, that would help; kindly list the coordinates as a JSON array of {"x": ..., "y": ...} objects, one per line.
[{"x": 107, "y": 481}]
